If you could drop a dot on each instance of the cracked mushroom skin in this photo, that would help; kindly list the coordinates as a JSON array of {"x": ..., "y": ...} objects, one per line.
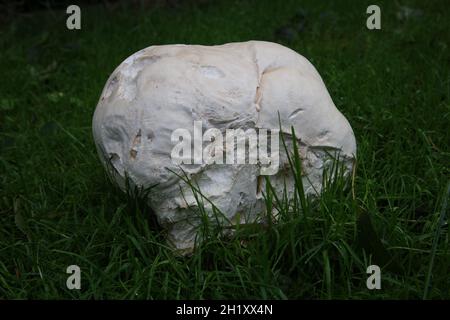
[{"x": 244, "y": 85}]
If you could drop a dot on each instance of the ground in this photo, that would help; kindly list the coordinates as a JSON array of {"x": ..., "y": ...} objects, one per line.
[{"x": 58, "y": 208}]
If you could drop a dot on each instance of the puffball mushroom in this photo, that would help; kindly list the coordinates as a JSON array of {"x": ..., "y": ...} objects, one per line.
[{"x": 249, "y": 85}]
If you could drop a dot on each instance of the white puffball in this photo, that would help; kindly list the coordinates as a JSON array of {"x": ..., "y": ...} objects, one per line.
[{"x": 244, "y": 85}]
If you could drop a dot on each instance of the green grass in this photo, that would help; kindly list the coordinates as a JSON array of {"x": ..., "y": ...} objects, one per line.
[{"x": 58, "y": 208}]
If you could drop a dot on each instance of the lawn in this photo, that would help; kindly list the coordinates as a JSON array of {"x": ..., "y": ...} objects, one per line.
[{"x": 58, "y": 208}]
